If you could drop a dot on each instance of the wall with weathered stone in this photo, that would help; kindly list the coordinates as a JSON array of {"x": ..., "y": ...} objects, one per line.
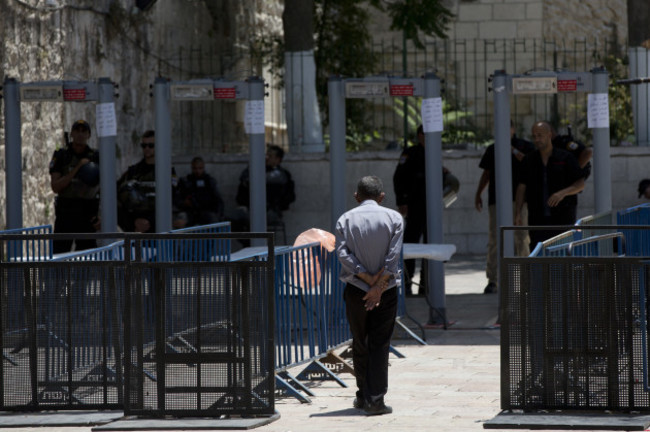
[
  {"x": 559, "y": 20},
  {"x": 567, "y": 20},
  {"x": 86, "y": 40},
  {"x": 33, "y": 48}
]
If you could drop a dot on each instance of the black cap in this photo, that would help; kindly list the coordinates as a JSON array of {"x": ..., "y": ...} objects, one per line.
[
  {"x": 81, "y": 124},
  {"x": 643, "y": 185}
]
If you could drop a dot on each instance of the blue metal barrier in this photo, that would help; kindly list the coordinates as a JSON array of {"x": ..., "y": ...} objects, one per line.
[
  {"x": 637, "y": 241},
  {"x": 550, "y": 247},
  {"x": 309, "y": 305},
  {"x": 35, "y": 249},
  {"x": 310, "y": 315},
  {"x": 193, "y": 250},
  {"x": 30, "y": 249},
  {"x": 612, "y": 244},
  {"x": 111, "y": 252}
]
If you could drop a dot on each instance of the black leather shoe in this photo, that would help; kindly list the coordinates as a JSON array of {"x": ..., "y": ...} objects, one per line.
[
  {"x": 358, "y": 403},
  {"x": 377, "y": 408}
]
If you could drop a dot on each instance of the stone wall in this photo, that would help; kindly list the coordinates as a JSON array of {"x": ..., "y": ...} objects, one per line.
[
  {"x": 559, "y": 20},
  {"x": 33, "y": 48},
  {"x": 85, "y": 40},
  {"x": 567, "y": 20}
]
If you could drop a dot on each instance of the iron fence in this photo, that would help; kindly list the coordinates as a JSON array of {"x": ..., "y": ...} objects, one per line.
[
  {"x": 571, "y": 333},
  {"x": 147, "y": 331},
  {"x": 464, "y": 65}
]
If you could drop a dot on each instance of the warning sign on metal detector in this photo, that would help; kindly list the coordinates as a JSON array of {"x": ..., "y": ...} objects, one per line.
[
  {"x": 401, "y": 90},
  {"x": 225, "y": 92},
  {"x": 567, "y": 85},
  {"x": 74, "y": 94}
]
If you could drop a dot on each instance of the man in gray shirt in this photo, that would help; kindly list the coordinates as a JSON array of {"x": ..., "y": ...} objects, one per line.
[{"x": 368, "y": 244}]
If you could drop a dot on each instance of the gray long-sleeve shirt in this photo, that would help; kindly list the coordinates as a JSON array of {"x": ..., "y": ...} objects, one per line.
[{"x": 369, "y": 238}]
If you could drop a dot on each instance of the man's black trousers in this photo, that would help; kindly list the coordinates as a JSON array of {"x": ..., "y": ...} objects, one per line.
[{"x": 371, "y": 335}]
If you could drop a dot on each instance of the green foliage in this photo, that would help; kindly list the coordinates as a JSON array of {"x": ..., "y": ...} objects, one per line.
[
  {"x": 455, "y": 119},
  {"x": 343, "y": 47},
  {"x": 621, "y": 120},
  {"x": 343, "y": 44},
  {"x": 356, "y": 138}
]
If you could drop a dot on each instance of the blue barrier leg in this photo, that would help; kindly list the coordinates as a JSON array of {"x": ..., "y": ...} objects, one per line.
[
  {"x": 281, "y": 383},
  {"x": 295, "y": 382},
  {"x": 318, "y": 371},
  {"x": 396, "y": 352}
]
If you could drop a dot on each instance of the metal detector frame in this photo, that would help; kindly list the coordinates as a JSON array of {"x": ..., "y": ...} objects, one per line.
[
  {"x": 207, "y": 89},
  {"x": 100, "y": 91},
  {"x": 595, "y": 81},
  {"x": 384, "y": 86}
]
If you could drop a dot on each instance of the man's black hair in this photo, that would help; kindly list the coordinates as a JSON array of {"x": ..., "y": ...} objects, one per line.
[
  {"x": 643, "y": 185},
  {"x": 279, "y": 152},
  {"x": 369, "y": 187}
]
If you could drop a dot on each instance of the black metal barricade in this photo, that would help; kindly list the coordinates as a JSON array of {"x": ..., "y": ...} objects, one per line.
[
  {"x": 61, "y": 335},
  {"x": 572, "y": 333},
  {"x": 210, "y": 349},
  {"x": 144, "y": 332}
]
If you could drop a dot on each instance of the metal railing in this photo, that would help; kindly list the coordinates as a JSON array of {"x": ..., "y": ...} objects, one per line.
[
  {"x": 30, "y": 249},
  {"x": 464, "y": 65},
  {"x": 574, "y": 318},
  {"x": 80, "y": 326},
  {"x": 310, "y": 321}
]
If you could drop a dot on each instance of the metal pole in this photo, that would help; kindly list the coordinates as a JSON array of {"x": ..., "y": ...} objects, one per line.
[
  {"x": 640, "y": 94},
  {"x": 602, "y": 168},
  {"x": 433, "y": 169},
  {"x": 336, "y": 94},
  {"x": 257, "y": 168},
  {"x": 163, "y": 156},
  {"x": 107, "y": 166},
  {"x": 13, "y": 159},
  {"x": 502, "y": 162}
]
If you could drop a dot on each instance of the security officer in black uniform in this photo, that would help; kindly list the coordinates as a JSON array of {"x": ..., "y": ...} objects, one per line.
[
  {"x": 200, "y": 197},
  {"x": 136, "y": 191},
  {"x": 74, "y": 177},
  {"x": 409, "y": 182}
]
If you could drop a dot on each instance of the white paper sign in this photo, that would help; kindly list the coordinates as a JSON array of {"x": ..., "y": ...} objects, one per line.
[
  {"x": 105, "y": 119},
  {"x": 254, "y": 117},
  {"x": 432, "y": 115},
  {"x": 597, "y": 110}
]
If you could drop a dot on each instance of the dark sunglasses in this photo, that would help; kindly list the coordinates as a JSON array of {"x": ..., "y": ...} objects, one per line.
[{"x": 145, "y": 145}]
